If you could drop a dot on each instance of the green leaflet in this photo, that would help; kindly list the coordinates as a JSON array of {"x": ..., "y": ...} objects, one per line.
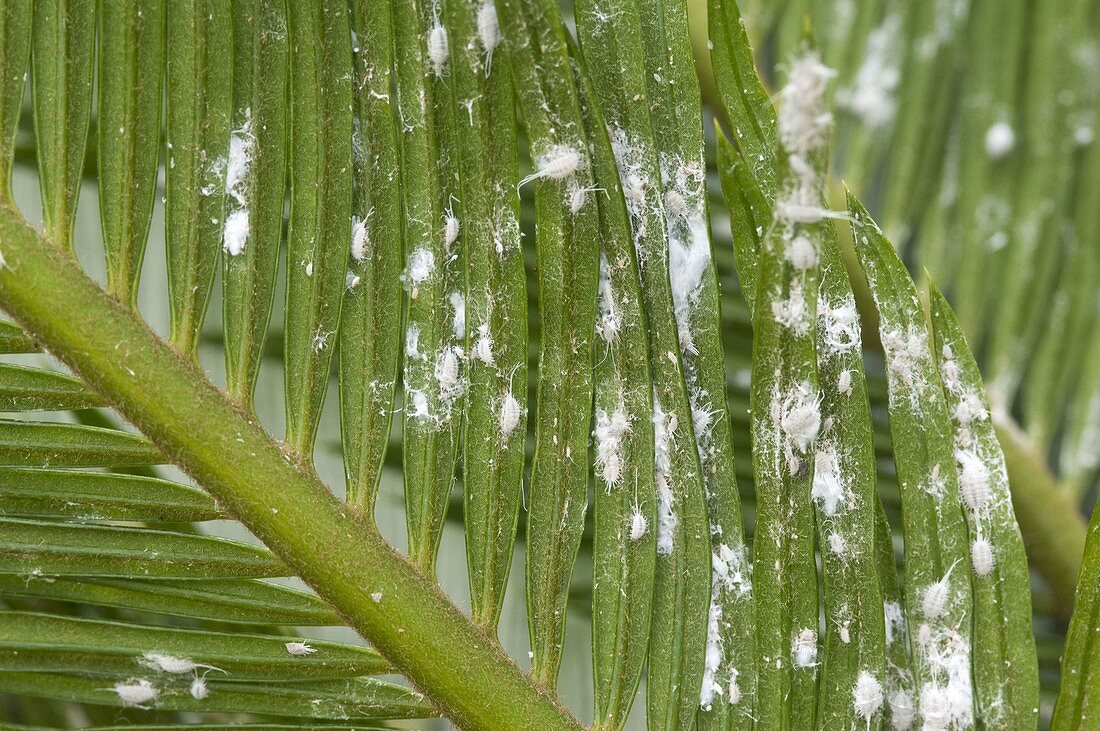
[
  {"x": 256, "y": 195},
  {"x": 1005, "y": 666},
  {"x": 1080, "y": 680},
  {"x": 14, "y": 340},
  {"x": 333, "y": 699},
  {"x": 750, "y": 112},
  {"x": 938, "y": 601},
  {"x": 370, "y": 331},
  {"x": 749, "y": 211},
  {"x": 212, "y": 727},
  {"x": 50, "y": 643},
  {"x": 495, "y": 307},
  {"x": 73, "y": 494},
  {"x": 38, "y": 444},
  {"x": 16, "y": 18},
  {"x": 63, "y": 64},
  {"x": 38, "y": 389},
  {"x": 433, "y": 377},
  {"x": 624, "y": 542},
  {"x": 320, "y": 206},
  {"x": 845, "y": 496},
  {"x": 898, "y": 689},
  {"x": 131, "y": 65},
  {"x": 44, "y": 549},
  {"x": 199, "y": 90},
  {"x": 568, "y": 262},
  {"x": 236, "y": 601}
]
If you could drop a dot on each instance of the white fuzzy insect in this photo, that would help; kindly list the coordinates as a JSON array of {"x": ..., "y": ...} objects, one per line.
[
  {"x": 421, "y": 264},
  {"x": 935, "y": 707},
  {"x": 936, "y": 596},
  {"x": 240, "y": 160},
  {"x": 802, "y": 254},
  {"x": 638, "y": 524},
  {"x": 559, "y": 163},
  {"x": 420, "y": 411},
  {"x": 902, "y": 711},
  {"x": 199, "y": 691},
  {"x": 800, "y": 416},
  {"x": 171, "y": 664},
  {"x": 609, "y": 432},
  {"x": 804, "y": 649},
  {"x": 299, "y": 649},
  {"x": 837, "y": 544},
  {"x": 483, "y": 348},
  {"x": 974, "y": 480},
  {"x": 439, "y": 48},
  {"x": 981, "y": 557},
  {"x": 351, "y": 280},
  {"x": 137, "y": 692},
  {"x": 488, "y": 31},
  {"x": 358, "y": 238},
  {"x": 675, "y": 204},
  {"x": 458, "y": 304},
  {"x": 451, "y": 228},
  {"x": 844, "y": 382},
  {"x": 867, "y": 695},
  {"x": 828, "y": 489},
  {"x": 236, "y": 232},
  {"x": 510, "y": 414}
]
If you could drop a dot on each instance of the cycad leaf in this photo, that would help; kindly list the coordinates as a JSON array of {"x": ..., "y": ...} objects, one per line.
[
  {"x": 37, "y": 389},
  {"x": 434, "y": 377},
  {"x": 750, "y": 214},
  {"x": 15, "y": 45},
  {"x": 35, "y": 549},
  {"x": 320, "y": 209},
  {"x": 256, "y": 193},
  {"x": 938, "y": 598},
  {"x": 568, "y": 264},
  {"x": 624, "y": 543},
  {"x": 495, "y": 306},
  {"x": 234, "y": 601},
  {"x": 1005, "y": 667},
  {"x": 14, "y": 340},
  {"x": 199, "y": 89},
  {"x": 336, "y": 699},
  {"x": 370, "y": 331},
  {"x": 131, "y": 65},
  {"x": 50, "y": 643},
  {"x": 72, "y": 494},
  {"x": 38, "y": 444},
  {"x": 64, "y": 60}
]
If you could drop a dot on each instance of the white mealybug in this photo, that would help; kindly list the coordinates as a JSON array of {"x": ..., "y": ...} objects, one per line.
[
  {"x": 902, "y": 712},
  {"x": 981, "y": 556},
  {"x": 510, "y": 414},
  {"x": 999, "y": 140},
  {"x": 804, "y": 649},
  {"x": 578, "y": 197},
  {"x": 559, "y": 163},
  {"x": 309, "y": 267},
  {"x": 421, "y": 264},
  {"x": 458, "y": 304},
  {"x": 935, "y": 707},
  {"x": 299, "y": 649},
  {"x": 483, "y": 348},
  {"x": 867, "y": 695},
  {"x": 934, "y": 603},
  {"x": 199, "y": 691},
  {"x": 974, "y": 480},
  {"x": 800, "y": 418},
  {"x": 439, "y": 48},
  {"x": 420, "y": 411},
  {"x": 488, "y": 31},
  {"x": 844, "y": 382},
  {"x": 358, "y": 238},
  {"x": 451, "y": 227},
  {"x": 802, "y": 253},
  {"x": 675, "y": 205},
  {"x": 236, "y": 231},
  {"x": 638, "y": 524},
  {"x": 136, "y": 692},
  {"x": 351, "y": 280},
  {"x": 837, "y": 544},
  {"x": 171, "y": 664},
  {"x": 827, "y": 486}
]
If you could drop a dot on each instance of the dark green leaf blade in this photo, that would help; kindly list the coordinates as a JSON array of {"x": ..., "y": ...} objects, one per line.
[{"x": 46, "y": 444}]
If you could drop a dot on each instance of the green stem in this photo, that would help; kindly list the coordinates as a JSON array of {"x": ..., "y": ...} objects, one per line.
[
  {"x": 399, "y": 610},
  {"x": 1053, "y": 527}
]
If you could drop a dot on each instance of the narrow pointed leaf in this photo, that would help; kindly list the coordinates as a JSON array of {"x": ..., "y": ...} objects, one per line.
[
  {"x": 1005, "y": 668},
  {"x": 495, "y": 306},
  {"x": 63, "y": 64},
  {"x": 44, "y": 444},
  {"x": 72, "y": 494},
  {"x": 938, "y": 599},
  {"x": 750, "y": 214},
  {"x": 898, "y": 691},
  {"x": 370, "y": 331},
  {"x": 14, "y": 340},
  {"x": 240, "y": 601},
  {"x": 253, "y": 232},
  {"x": 16, "y": 19},
  {"x": 335, "y": 699},
  {"x": 38, "y": 389},
  {"x": 129, "y": 94},
  {"x": 625, "y": 538},
  {"x": 568, "y": 264},
  {"x": 39, "y": 549},
  {"x": 199, "y": 90},
  {"x": 320, "y": 208}
]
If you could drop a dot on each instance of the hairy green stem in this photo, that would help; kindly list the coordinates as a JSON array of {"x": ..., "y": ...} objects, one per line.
[{"x": 399, "y": 610}]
